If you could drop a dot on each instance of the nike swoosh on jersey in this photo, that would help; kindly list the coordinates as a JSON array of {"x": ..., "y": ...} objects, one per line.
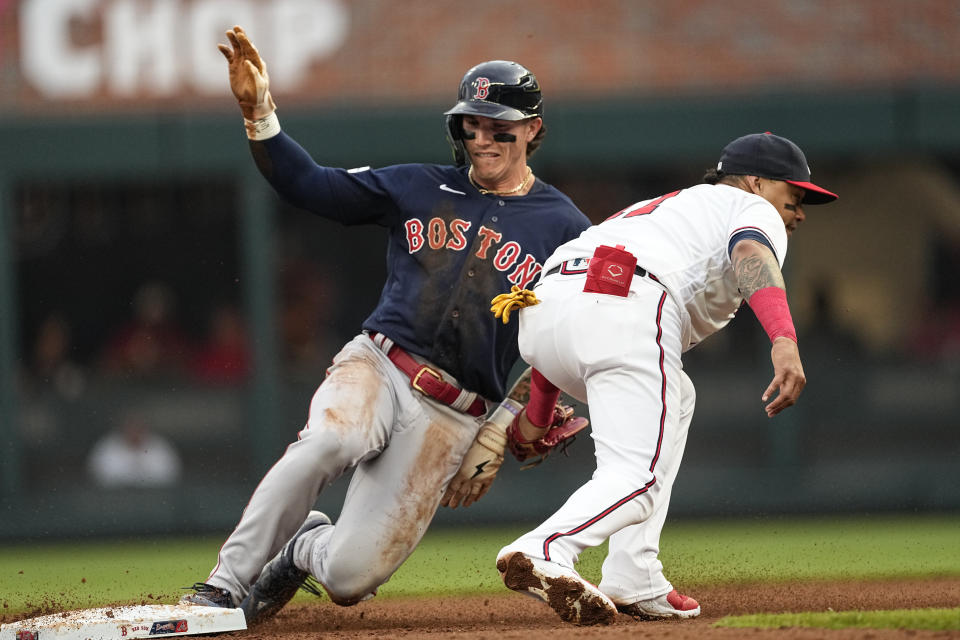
[{"x": 444, "y": 187}]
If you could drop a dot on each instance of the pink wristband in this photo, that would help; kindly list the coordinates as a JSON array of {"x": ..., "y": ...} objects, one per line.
[
  {"x": 543, "y": 398},
  {"x": 770, "y": 306}
]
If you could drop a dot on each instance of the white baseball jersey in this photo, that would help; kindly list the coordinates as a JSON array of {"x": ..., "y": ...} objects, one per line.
[
  {"x": 684, "y": 239},
  {"x": 621, "y": 354}
]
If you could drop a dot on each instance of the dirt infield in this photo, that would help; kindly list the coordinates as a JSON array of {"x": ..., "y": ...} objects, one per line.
[{"x": 515, "y": 616}]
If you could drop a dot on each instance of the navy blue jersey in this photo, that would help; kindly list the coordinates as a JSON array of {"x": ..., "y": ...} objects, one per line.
[{"x": 450, "y": 251}]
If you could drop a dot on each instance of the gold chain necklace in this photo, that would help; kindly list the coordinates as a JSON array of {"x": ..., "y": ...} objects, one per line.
[{"x": 519, "y": 187}]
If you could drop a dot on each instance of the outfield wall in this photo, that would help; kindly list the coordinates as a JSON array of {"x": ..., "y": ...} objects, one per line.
[{"x": 124, "y": 171}]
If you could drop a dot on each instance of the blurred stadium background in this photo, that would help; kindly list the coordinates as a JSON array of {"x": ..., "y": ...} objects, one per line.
[{"x": 152, "y": 286}]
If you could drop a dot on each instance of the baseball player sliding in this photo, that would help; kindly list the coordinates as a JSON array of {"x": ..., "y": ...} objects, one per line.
[
  {"x": 618, "y": 307},
  {"x": 404, "y": 400}
]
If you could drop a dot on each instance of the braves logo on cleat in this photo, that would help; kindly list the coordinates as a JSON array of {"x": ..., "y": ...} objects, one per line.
[
  {"x": 27, "y": 634},
  {"x": 168, "y": 626}
]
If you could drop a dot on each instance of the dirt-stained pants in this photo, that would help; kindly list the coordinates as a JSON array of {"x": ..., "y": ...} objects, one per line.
[{"x": 405, "y": 448}]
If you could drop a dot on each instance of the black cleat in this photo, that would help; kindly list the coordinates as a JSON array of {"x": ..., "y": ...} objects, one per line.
[
  {"x": 280, "y": 578},
  {"x": 207, "y": 595}
]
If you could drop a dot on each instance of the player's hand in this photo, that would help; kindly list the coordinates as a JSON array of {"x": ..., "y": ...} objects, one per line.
[
  {"x": 248, "y": 76},
  {"x": 478, "y": 469},
  {"x": 526, "y": 440},
  {"x": 788, "y": 377}
]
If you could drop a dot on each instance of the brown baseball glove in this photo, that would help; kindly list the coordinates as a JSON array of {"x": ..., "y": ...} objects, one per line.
[{"x": 562, "y": 431}]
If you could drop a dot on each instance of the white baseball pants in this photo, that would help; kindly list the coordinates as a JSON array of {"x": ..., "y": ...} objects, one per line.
[{"x": 620, "y": 355}]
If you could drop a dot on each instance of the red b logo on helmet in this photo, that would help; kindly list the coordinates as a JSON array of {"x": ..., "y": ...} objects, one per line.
[{"x": 482, "y": 86}]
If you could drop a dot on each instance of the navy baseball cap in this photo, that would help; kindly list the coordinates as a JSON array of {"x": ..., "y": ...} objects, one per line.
[{"x": 773, "y": 157}]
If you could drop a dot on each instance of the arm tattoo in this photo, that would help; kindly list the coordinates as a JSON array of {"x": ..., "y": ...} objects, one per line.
[
  {"x": 521, "y": 388},
  {"x": 757, "y": 272}
]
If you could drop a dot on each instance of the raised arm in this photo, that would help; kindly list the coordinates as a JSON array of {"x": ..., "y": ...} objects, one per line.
[
  {"x": 287, "y": 166},
  {"x": 248, "y": 80}
]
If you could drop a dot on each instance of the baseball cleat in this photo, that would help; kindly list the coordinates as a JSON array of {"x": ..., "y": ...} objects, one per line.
[
  {"x": 280, "y": 578},
  {"x": 574, "y": 599},
  {"x": 670, "y": 605},
  {"x": 207, "y": 595}
]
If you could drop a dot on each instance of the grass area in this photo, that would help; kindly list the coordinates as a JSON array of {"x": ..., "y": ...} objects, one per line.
[
  {"x": 457, "y": 561},
  {"x": 913, "y": 619},
  {"x": 836, "y": 548},
  {"x": 724, "y": 552},
  {"x": 87, "y": 574}
]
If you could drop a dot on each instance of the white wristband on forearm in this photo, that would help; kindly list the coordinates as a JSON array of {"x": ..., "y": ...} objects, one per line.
[
  {"x": 263, "y": 128},
  {"x": 504, "y": 414}
]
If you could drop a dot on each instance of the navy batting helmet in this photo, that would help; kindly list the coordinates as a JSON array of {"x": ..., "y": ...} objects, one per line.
[{"x": 497, "y": 89}]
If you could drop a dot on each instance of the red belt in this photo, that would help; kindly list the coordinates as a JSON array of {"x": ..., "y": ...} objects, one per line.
[{"x": 428, "y": 381}]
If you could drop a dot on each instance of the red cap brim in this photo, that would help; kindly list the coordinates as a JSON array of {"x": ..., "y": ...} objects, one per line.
[{"x": 815, "y": 194}]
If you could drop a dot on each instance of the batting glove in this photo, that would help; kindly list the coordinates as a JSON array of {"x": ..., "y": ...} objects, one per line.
[{"x": 249, "y": 80}]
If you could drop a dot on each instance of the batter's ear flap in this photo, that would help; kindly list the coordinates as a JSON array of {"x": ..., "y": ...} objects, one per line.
[{"x": 453, "y": 128}]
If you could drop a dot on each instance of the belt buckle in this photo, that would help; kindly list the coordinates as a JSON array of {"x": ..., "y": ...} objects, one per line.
[{"x": 415, "y": 382}]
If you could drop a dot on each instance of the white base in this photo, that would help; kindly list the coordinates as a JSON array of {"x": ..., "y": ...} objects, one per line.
[{"x": 124, "y": 623}]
